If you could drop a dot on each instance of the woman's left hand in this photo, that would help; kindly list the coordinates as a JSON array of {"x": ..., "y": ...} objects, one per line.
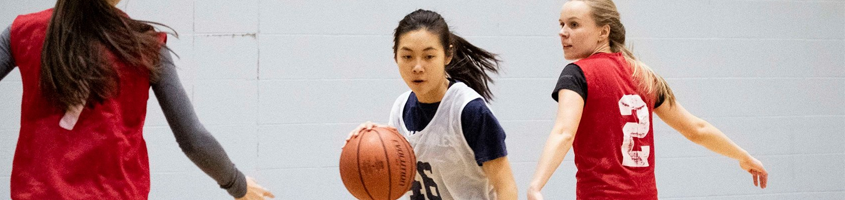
[{"x": 755, "y": 167}]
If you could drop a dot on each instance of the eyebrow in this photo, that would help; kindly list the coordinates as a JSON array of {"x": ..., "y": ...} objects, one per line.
[
  {"x": 409, "y": 49},
  {"x": 568, "y": 19}
]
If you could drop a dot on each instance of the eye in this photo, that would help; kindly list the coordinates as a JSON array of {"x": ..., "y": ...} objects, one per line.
[
  {"x": 429, "y": 57},
  {"x": 574, "y": 24},
  {"x": 406, "y": 57},
  {"x": 562, "y": 24}
]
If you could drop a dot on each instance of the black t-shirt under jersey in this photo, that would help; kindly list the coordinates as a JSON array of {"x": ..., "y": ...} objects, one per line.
[{"x": 572, "y": 78}]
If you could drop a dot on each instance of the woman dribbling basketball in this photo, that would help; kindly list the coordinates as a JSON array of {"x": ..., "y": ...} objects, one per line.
[{"x": 459, "y": 144}]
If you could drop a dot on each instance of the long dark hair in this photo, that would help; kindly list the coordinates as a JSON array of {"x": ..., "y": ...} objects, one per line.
[
  {"x": 75, "y": 68},
  {"x": 469, "y": 65}
]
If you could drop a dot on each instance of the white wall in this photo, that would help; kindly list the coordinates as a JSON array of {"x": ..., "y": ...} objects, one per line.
[{"x": 281, "y": 82}]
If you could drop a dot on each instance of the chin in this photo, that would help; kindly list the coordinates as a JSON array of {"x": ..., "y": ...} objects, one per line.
[
  {"x": 572, "y": 56},
  {"x": 569, "y": 57},
  {"x": 415, "y": 88}
]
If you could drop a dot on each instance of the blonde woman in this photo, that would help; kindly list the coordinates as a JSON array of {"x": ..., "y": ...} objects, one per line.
[{"x": 605, "y": 103}]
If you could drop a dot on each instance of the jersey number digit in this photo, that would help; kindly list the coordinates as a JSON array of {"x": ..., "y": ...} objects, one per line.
[
  {"x": 431, "y": 190},
  {"x": 631, "y": 130}
]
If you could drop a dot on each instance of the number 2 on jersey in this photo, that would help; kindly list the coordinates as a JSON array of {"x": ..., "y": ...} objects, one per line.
[{"x": 631, "y": 130}]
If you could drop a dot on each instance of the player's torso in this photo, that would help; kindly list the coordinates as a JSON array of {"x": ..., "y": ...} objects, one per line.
[
  {"x": 614, "y": 150},
  {"x": 446, "y": 166}
]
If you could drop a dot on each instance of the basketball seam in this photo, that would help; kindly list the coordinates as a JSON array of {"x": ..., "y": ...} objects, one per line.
[
  {"x": 389, "y": 177},
  {"x": 358, "y": 157}
]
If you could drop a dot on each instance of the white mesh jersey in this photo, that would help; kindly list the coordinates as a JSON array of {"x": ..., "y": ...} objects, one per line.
[{"x": 446, "y": 166}]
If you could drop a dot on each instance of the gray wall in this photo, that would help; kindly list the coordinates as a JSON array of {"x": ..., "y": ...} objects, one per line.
[{"x": 281, "y": 82}]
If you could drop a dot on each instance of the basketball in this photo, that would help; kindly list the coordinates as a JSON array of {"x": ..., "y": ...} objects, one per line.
[{"x": 379, "y": 164}]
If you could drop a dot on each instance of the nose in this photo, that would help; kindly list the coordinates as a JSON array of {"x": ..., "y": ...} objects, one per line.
[
  {"x": 563, "y": 33},
  {"x": 418, "y": 67}
]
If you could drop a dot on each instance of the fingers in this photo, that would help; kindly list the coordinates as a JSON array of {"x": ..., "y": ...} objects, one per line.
[
  {"x": 356, "y": 131},
  {"x": 265, "y": 192},
  {"x": 764, "y": 177},
  {"x": 754, "y": 176},
  {"x": 361, "y": 128},
  {"x": 370, "y": 125},
  {"x": 366, "y": 126}
]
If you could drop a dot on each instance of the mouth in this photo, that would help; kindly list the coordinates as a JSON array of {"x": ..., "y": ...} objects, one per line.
[
  {"x": 567, "y": 46},
  {"x": 418, "y": 81}
]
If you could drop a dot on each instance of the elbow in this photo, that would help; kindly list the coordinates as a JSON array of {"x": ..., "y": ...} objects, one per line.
[
  {"x": 697, "y": 132},
  {"x": 188, "y": 148},
  {"x": 509, "y": 191},
  {"x": 563, "y": 136}
]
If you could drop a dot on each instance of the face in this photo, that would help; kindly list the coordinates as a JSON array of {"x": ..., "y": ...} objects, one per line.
[
  {"x": 579, "y": 34},
  {"x": 422, "y": 62}
]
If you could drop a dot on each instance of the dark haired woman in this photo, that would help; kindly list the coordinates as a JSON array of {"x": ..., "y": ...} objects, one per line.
[
  {"x": 459, "y": 144},
  {"x": 87, "y": 69}
]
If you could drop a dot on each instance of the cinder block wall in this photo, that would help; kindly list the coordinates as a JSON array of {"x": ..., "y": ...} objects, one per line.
[{"x": 281, "y": 82}]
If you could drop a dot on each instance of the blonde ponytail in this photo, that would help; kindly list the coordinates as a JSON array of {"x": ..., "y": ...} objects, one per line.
[{"x": 605, "y": 13}]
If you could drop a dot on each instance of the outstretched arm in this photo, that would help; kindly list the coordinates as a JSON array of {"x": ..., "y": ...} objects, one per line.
[
  {"x": 196, "y": 142},
  {"x": 703, "y": 133},
  {"x": 570, "y": 108}
]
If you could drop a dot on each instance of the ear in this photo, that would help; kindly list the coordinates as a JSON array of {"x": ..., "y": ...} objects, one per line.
[{"x": 604, "y": 33}]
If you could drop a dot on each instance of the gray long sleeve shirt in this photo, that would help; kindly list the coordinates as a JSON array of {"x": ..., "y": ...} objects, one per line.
[{"x": 194, "y": 140}]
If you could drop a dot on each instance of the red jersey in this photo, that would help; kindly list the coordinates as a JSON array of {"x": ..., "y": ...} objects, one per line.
[
  {"x": 614, "y": 150},
  {"x": 103, "y": 157}
]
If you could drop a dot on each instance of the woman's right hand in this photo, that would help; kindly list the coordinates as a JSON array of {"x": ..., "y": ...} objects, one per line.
[
  {"x": 366, "y": 126},
  {"x": 255, "y": 191}
]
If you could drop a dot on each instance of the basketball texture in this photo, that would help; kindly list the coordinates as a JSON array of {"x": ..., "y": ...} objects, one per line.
[{"x": 379, "y": 164}]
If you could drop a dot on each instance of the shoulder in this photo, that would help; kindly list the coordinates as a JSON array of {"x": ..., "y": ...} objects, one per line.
[
  {"x": 475, "y": 109},
  {"x": 30, "y": 23},
  {"x": 572, "y": 69},
  {"x": 40, "y": 16},
  {"x": 462, "y": 94},
  {"x": 400, "y": 101}
]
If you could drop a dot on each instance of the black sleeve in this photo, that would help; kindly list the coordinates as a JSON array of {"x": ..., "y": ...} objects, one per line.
[
  {"x": 482, "y": 131},
  {"x": 571, "y": 78},
  {"x": 659, "y": 101},
  {"x": 7, "y": 62},
  {"x": 196, "y": 142}
]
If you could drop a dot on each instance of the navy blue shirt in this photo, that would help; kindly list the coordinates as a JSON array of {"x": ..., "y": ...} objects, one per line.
[{"x": 482, "y": 130}]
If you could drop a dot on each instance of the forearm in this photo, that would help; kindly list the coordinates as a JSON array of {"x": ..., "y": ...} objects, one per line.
[
  {"x": 501, "y": 177},
  {"x": 507, "y": 192},
  {"x": 194, "y": 140},
  {"x": 557, "y": 146},
  {"x": 713, "y": 139}
]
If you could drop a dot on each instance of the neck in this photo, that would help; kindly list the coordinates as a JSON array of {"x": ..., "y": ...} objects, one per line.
[
  {"x": 435, "y": 95},
  {"x": 605, "y": 48}
]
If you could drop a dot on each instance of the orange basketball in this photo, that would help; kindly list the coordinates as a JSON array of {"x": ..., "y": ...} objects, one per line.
[{"x": 378, "y": 164}]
